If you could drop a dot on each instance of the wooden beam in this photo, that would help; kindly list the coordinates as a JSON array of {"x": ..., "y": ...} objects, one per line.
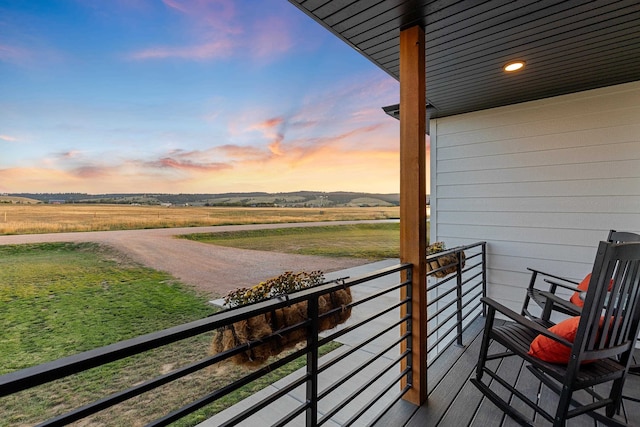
[{"x": 413, "y": 209}]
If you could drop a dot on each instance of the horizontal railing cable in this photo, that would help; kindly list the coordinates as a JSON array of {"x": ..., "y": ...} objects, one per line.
[
  {"x": 378, "y": 395},
  {"x": 441, "y": 296},
  {"x": 212, "y": 397},
  {"x": 362, "y": 388},
  {"x": 269, "y": 400},
  {"x": 357, "y": 370},
  {"x": 355, "y": 348},
  {"x": 367, "y": 320}
]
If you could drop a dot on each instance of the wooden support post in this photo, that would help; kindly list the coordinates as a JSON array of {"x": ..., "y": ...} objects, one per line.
[{"x": 413, "y": 203}]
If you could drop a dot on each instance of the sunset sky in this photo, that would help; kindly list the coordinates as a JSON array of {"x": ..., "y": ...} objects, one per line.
[{"x": 187, "y": 96}]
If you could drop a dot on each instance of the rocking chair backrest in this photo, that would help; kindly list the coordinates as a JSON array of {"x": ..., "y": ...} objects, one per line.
[
  {"x": 611, "y": 314},
  {"x": 622, "y": 237}
]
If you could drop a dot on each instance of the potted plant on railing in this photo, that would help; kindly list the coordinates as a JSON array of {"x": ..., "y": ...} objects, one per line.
[
  {"x": 450, "y": 261},
  {"x": 263, "y": 325}
]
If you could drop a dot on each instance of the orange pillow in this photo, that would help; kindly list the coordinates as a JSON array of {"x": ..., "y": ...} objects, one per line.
[
  {"x": 583, "y": 286},
  {"x": 552, "y": 351}
]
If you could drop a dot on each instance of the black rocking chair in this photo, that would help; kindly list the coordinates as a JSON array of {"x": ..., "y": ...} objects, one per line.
[
  {"x": 605, "y": 338},
  {"x": 547, "y": 299}
]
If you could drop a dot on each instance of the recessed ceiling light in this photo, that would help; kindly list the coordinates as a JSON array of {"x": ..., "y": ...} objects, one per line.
[{"x": 513, "y": 66}]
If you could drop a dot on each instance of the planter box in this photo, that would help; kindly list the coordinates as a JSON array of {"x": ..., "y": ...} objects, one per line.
[
  {"x": 450, "y": 261},
  {"x": 264, "y": 325}
]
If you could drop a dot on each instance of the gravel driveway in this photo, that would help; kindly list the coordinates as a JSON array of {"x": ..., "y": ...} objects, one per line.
[{"x": 214, "y": 270}]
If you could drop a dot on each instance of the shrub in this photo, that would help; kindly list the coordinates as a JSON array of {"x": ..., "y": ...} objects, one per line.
[{"x": 283, "y": 284}]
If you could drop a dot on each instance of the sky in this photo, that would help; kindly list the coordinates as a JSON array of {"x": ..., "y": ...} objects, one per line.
[{"x": 188, "y": 96}]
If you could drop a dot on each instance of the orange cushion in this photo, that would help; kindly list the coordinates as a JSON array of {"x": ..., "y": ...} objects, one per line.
[
  {"x": 583, "y": 286},
  {"x": 549, "y": 350},
  {"x": 552, "y": 351}
]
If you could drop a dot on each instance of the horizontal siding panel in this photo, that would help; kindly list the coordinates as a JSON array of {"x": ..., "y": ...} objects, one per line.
[
  {"x": 510, "y": 296},
  {"x": 556, "y": 125},
  {"x": 579, "y": 138},
  {"x": 573, "y": 270},
  {"x": 513, "y": 292},
  {"x": 538, "y": 220},
  {"x": 520, "y": 234},
  {"x": 587, "y": 187},
  {"x": 505, "y": 282},
  {"x": 594, "y": 101},
  {"x": 544, "y": 252},
  {"x": 533, "y": 251},
  {"x": 553, "y": 172},
  {"x": 584, "y": 154},
  {"x": 593, "y": 204}
]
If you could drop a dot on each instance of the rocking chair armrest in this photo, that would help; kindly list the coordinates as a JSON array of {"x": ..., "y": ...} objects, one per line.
[
  {"x": 564, "y": 279},
  {"x": 562, "y": 285},
  {"x": 567, "y": 305},
  {"x": 494, "y": 305}
]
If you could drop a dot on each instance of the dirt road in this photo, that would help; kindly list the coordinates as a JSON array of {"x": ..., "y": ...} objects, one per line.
[{"x": 214, "y": 270}]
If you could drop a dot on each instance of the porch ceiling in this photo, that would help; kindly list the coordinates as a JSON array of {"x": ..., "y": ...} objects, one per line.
[{"x": 568, "y": 46}]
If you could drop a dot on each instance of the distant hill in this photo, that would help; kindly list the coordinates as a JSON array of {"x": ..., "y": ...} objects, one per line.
[
  {"x": 8, "y": 198},
  {"x": 258, "y": 199}
]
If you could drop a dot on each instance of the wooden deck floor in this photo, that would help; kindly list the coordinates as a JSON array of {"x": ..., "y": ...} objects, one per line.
[{"x": 455, "y": 402}]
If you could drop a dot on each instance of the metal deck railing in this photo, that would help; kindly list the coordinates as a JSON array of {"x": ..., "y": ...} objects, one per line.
[
  {"x": 453, "y": 302},
  {"x": 377, "y": 365}
]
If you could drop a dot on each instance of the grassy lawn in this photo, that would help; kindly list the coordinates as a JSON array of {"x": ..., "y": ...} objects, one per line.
[
  {"x": 370, "y": 241},
  {"x": 81, "y": 296},
  {"x": 59, "y": 299}
]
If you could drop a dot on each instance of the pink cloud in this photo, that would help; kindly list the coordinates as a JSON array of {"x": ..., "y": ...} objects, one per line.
[
  {"x": 292, "y": 137},
  {"x": 179, "y": 164},
  {"x": 71, "y": 154},
  {"x": 15, "y": 55},
  {"x": 91, "y": 172},
  {"x": 208, "y": 14},
  {"x": 216, "y": 31},
  {"x": 271, "y": 129},
  {"x": 271, "y": 36},
  {"x": 8, "y": 138},
  {"x": 270, "y": 123},
  {"x": 241, "y": 153},
  {"x": 215, "y": 49},
  {"x": 211, "y": 25}
]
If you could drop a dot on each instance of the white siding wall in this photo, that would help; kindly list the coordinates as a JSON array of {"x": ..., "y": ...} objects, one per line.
[{"x": 542, "y": 182}]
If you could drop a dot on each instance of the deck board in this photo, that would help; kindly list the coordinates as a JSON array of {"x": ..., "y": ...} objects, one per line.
[
  {"x": 488, "y": 414},
  {"x": 454, "y": 401},
  {"x": 528, "y": 384},
  {"x": 446, "y": 390}
]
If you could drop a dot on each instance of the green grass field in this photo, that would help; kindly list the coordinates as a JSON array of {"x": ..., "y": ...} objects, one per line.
[
  {"x": 59, "y": 299},
  {"x": 85, "y": 295},
  {"x": 368, "y": 241}
]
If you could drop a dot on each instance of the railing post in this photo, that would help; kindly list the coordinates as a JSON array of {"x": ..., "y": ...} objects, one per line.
[
  {"x": 459, "y": 297},
  {"x": 484, "y": 277},
  {"x": 312, "y": 362},
  {"x": 409, "y": 340}
]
